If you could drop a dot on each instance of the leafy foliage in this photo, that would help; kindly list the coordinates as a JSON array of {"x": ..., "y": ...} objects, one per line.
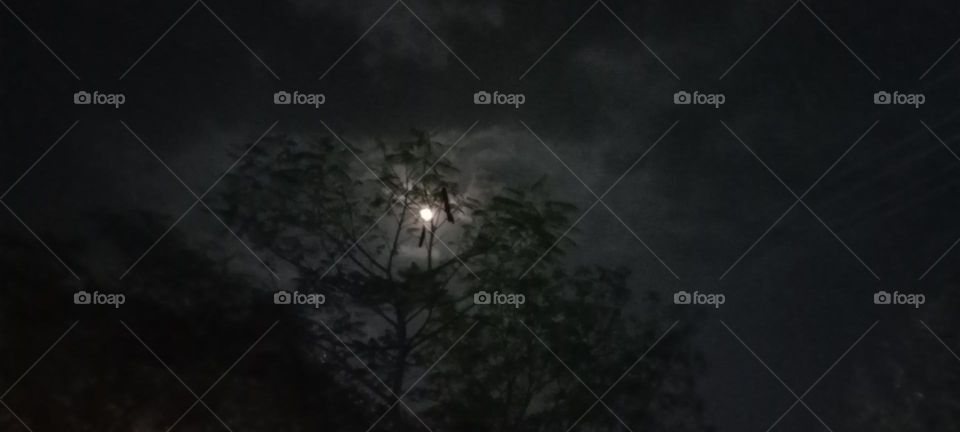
[
  {"x": 347, "y": 222},
  {"x": 350, "y": 230}
]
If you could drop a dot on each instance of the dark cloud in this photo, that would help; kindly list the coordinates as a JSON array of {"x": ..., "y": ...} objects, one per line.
[{"x": 799, "y": 99}]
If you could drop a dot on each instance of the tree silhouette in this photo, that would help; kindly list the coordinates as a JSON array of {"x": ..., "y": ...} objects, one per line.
[
  {"x": 351, "y": 231},
  {"x": 400, "y": 291},
  {"x": 195, "y": 312}
]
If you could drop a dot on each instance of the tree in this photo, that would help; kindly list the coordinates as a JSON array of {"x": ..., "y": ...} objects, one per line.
[
  {"x": 400, "y": 290},
  {"x": 192, "y": 309}
]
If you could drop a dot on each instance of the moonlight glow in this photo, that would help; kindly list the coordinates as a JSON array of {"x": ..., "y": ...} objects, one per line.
[{"x": 426, "y": 214}]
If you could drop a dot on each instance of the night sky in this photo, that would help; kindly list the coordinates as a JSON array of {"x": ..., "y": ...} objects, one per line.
[{"x": 599, "y": 80}]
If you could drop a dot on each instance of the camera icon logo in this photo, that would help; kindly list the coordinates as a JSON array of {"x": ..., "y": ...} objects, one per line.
[
  {"x": 482, "y": 98},
  {"x": 82, "y": 298},
  {"x": 682, "y": 298},
  {"x": 82, "y": 98},
  {"x": 882, "y": 98},
  {"x": 282, "y": 98},
  {"x": 681, "y": 98},
  {"x": 882, "y": 298},
  {"x": 282, "y": 298},
  {"x": 481, "y": 298}
]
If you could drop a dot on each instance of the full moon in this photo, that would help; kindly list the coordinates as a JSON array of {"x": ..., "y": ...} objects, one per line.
[{"x": 426, "y": 214}]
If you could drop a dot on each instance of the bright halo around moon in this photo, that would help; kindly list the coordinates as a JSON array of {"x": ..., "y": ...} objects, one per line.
[{"x": 426, "y": 214}]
